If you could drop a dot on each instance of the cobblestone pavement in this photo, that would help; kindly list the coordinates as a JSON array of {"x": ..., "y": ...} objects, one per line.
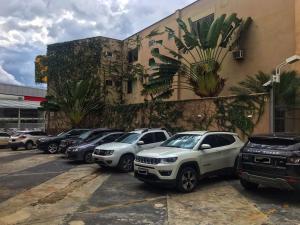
[{"x": 37, "y": 188}]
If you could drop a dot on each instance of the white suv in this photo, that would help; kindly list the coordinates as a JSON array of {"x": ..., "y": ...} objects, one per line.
[
  {"x": 186, "y": 157},
  {"x": 26, "y": 139},
  {"x": 121, "y": 153}
]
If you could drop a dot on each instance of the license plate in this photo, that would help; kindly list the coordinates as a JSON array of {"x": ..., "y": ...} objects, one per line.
[
  {"x": 142, "y": 171},
  {"x": 261, "y": 159}
]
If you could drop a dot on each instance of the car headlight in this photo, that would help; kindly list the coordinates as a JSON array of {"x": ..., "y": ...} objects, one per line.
[
  {"x": 108, "y": 152},
  {"x": 168, "y": 160},
  {"x": 294, "y": 160},
  {"x": 75, "y": 149}
]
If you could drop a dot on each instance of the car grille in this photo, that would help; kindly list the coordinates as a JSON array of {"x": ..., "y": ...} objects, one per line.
[
  {"x": 147, "y": 160},
  {"x": 277, "y": 164}
]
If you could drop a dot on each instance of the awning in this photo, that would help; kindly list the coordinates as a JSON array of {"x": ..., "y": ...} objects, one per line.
[{"x": 19, "y": 104}]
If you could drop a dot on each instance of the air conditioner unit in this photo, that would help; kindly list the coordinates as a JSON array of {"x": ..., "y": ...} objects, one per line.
[{"x": 238, "y": 54}]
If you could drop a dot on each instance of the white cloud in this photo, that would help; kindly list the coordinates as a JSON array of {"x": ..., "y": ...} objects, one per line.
[
  {"x": 26, "y": 27},
  {"x": 7, "y": 78}
]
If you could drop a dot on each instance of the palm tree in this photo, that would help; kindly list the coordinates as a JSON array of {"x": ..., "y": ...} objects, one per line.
[
  {"x": 199, "y": 55},
  {"x": 245, "y": 111},
  {"x": 80, "y": 98}
]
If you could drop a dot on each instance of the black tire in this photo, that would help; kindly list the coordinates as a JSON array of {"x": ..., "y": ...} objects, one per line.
[
  {"x": 88, "y": 158},
  {"x": 14, "y": 148},
  {"x": 248, "y": 185},
  {"x": 126, "y": 163},
  {"x": 29, "y": 145},
  {"x": 52, "y": 148},
  {"x": 187, "y": 179}
]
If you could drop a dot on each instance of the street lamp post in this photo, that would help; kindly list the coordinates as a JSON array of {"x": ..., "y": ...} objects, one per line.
[{"x": 276, "y": 79}]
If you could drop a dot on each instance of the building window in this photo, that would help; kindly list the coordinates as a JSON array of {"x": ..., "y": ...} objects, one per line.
[
  {"x": 133, "y": 55},
  {"x": 207, "y": 19},
  {"x": 118, "y": 83},
  {"x": 108, "y": 54},
  {"x": 151, "y": 43},
  {"x": 171, "y": 35},
  {"x": 151, "y": 62},
  {"x": 108, "y": 82},
  {"x": 129, "y": 86}
]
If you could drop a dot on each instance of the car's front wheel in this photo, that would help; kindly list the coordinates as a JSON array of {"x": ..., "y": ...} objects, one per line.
[
  {"x": 29, "y": 145},
  {"x": 126, "y": 163},
  {"x": 88, "y": 158},
  {"x": 248, "y": 185},
  {"x": 187, "y": 179},
  {"x": 53, "y": 148}
]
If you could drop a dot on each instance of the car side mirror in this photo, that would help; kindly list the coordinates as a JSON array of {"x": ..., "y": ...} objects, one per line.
[
  {"x": 205, "y": 146},
  {"x": 140, "y": 143}
]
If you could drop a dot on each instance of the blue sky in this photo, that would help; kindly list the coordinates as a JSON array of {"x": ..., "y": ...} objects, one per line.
[{"x": 27, "y": 26}]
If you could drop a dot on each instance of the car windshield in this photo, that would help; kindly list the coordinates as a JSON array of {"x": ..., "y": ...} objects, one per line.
[
  {"x": 85, "y": 134},
  {"x": 95, "y": 138},
  {"x": 186, "y": 141},
  {"x": 128, "y": 138}
]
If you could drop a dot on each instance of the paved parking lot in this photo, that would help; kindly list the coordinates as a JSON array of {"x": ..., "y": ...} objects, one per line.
[{"x": 37, "y": 188}]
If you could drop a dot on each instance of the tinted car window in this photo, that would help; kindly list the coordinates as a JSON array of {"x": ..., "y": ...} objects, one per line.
[
  {"x": 219, "y": 140},
  {"x": 160, "y": 136},
  {"x": 148, "y": 138},
  {"x": 210, "y": 140},
  {"x": 111, "y": 137},
  {"x": 225, "y": 139},
  {"x": 77, "y": 132},
  {"x": 4, "y": 135}
]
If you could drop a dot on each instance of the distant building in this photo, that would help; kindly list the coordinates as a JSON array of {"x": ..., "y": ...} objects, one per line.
[{"x": 19, "y": 107}]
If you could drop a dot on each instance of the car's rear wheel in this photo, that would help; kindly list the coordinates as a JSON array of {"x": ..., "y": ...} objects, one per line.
[
  {"x": 248, "y": 185},
  {"x": 187, "y": 179},
  {"x": 53, "y": 148},
  {"x": 29, "y": 145},
  {"x": 126, "y": 163},
  {"x": 88, "y": 158}
]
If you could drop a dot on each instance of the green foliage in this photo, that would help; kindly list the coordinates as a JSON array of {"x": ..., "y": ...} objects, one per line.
[
  {"x": 199, "y": 55},
  {"x": 78, "y": 99}
]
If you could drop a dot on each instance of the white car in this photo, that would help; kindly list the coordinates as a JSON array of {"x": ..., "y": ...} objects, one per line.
[
  {"x": 186, "y": 157},
  {"x": 121, "y": 153},
  {"x": 4, "y": 138},
  {"x": 26, "y": 139}
]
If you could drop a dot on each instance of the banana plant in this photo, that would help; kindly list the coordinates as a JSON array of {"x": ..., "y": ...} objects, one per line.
[{"x": 199, "y": 55}]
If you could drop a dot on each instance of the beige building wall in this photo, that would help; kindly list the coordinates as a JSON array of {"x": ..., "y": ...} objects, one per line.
[{"x": 273, "y": 36}]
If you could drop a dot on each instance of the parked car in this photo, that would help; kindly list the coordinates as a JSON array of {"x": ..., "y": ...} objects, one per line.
[
  {"x": 4, "y": 139},
  {"x": 85, "y": 137},
  {"x": 185, "y": 158},
  {"x": 271, "y": 160},
  {"x": 50, "y": 144},
  {"x": 84, "y": 151},
  {"x": 25, "y": 139},
  {"x": 121, "y": 153}
]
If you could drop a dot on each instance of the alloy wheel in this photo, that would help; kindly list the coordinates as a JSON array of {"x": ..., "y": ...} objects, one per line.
[
  {"x": 88, "y": 158},
  {"x": 52, "y": 148},
  {"x": 189, "y": 180},
  {"x": 127, "y": 163}
]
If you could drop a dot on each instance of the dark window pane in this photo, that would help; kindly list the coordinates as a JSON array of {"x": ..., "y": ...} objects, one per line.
[
  {"x": 160, "y": 136},
  {"x": 148, "y": 138},
  {"x": 129, "y": 86},
  {"x": 109, "y": 82},
  {"x": 133, "y": 55}
]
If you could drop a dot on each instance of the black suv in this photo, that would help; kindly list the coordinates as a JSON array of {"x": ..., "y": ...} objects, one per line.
[
  {"x": 86, "y": 137},
  {"x": 51, "y": 144},
  {"x": 271, "y": 160}
]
